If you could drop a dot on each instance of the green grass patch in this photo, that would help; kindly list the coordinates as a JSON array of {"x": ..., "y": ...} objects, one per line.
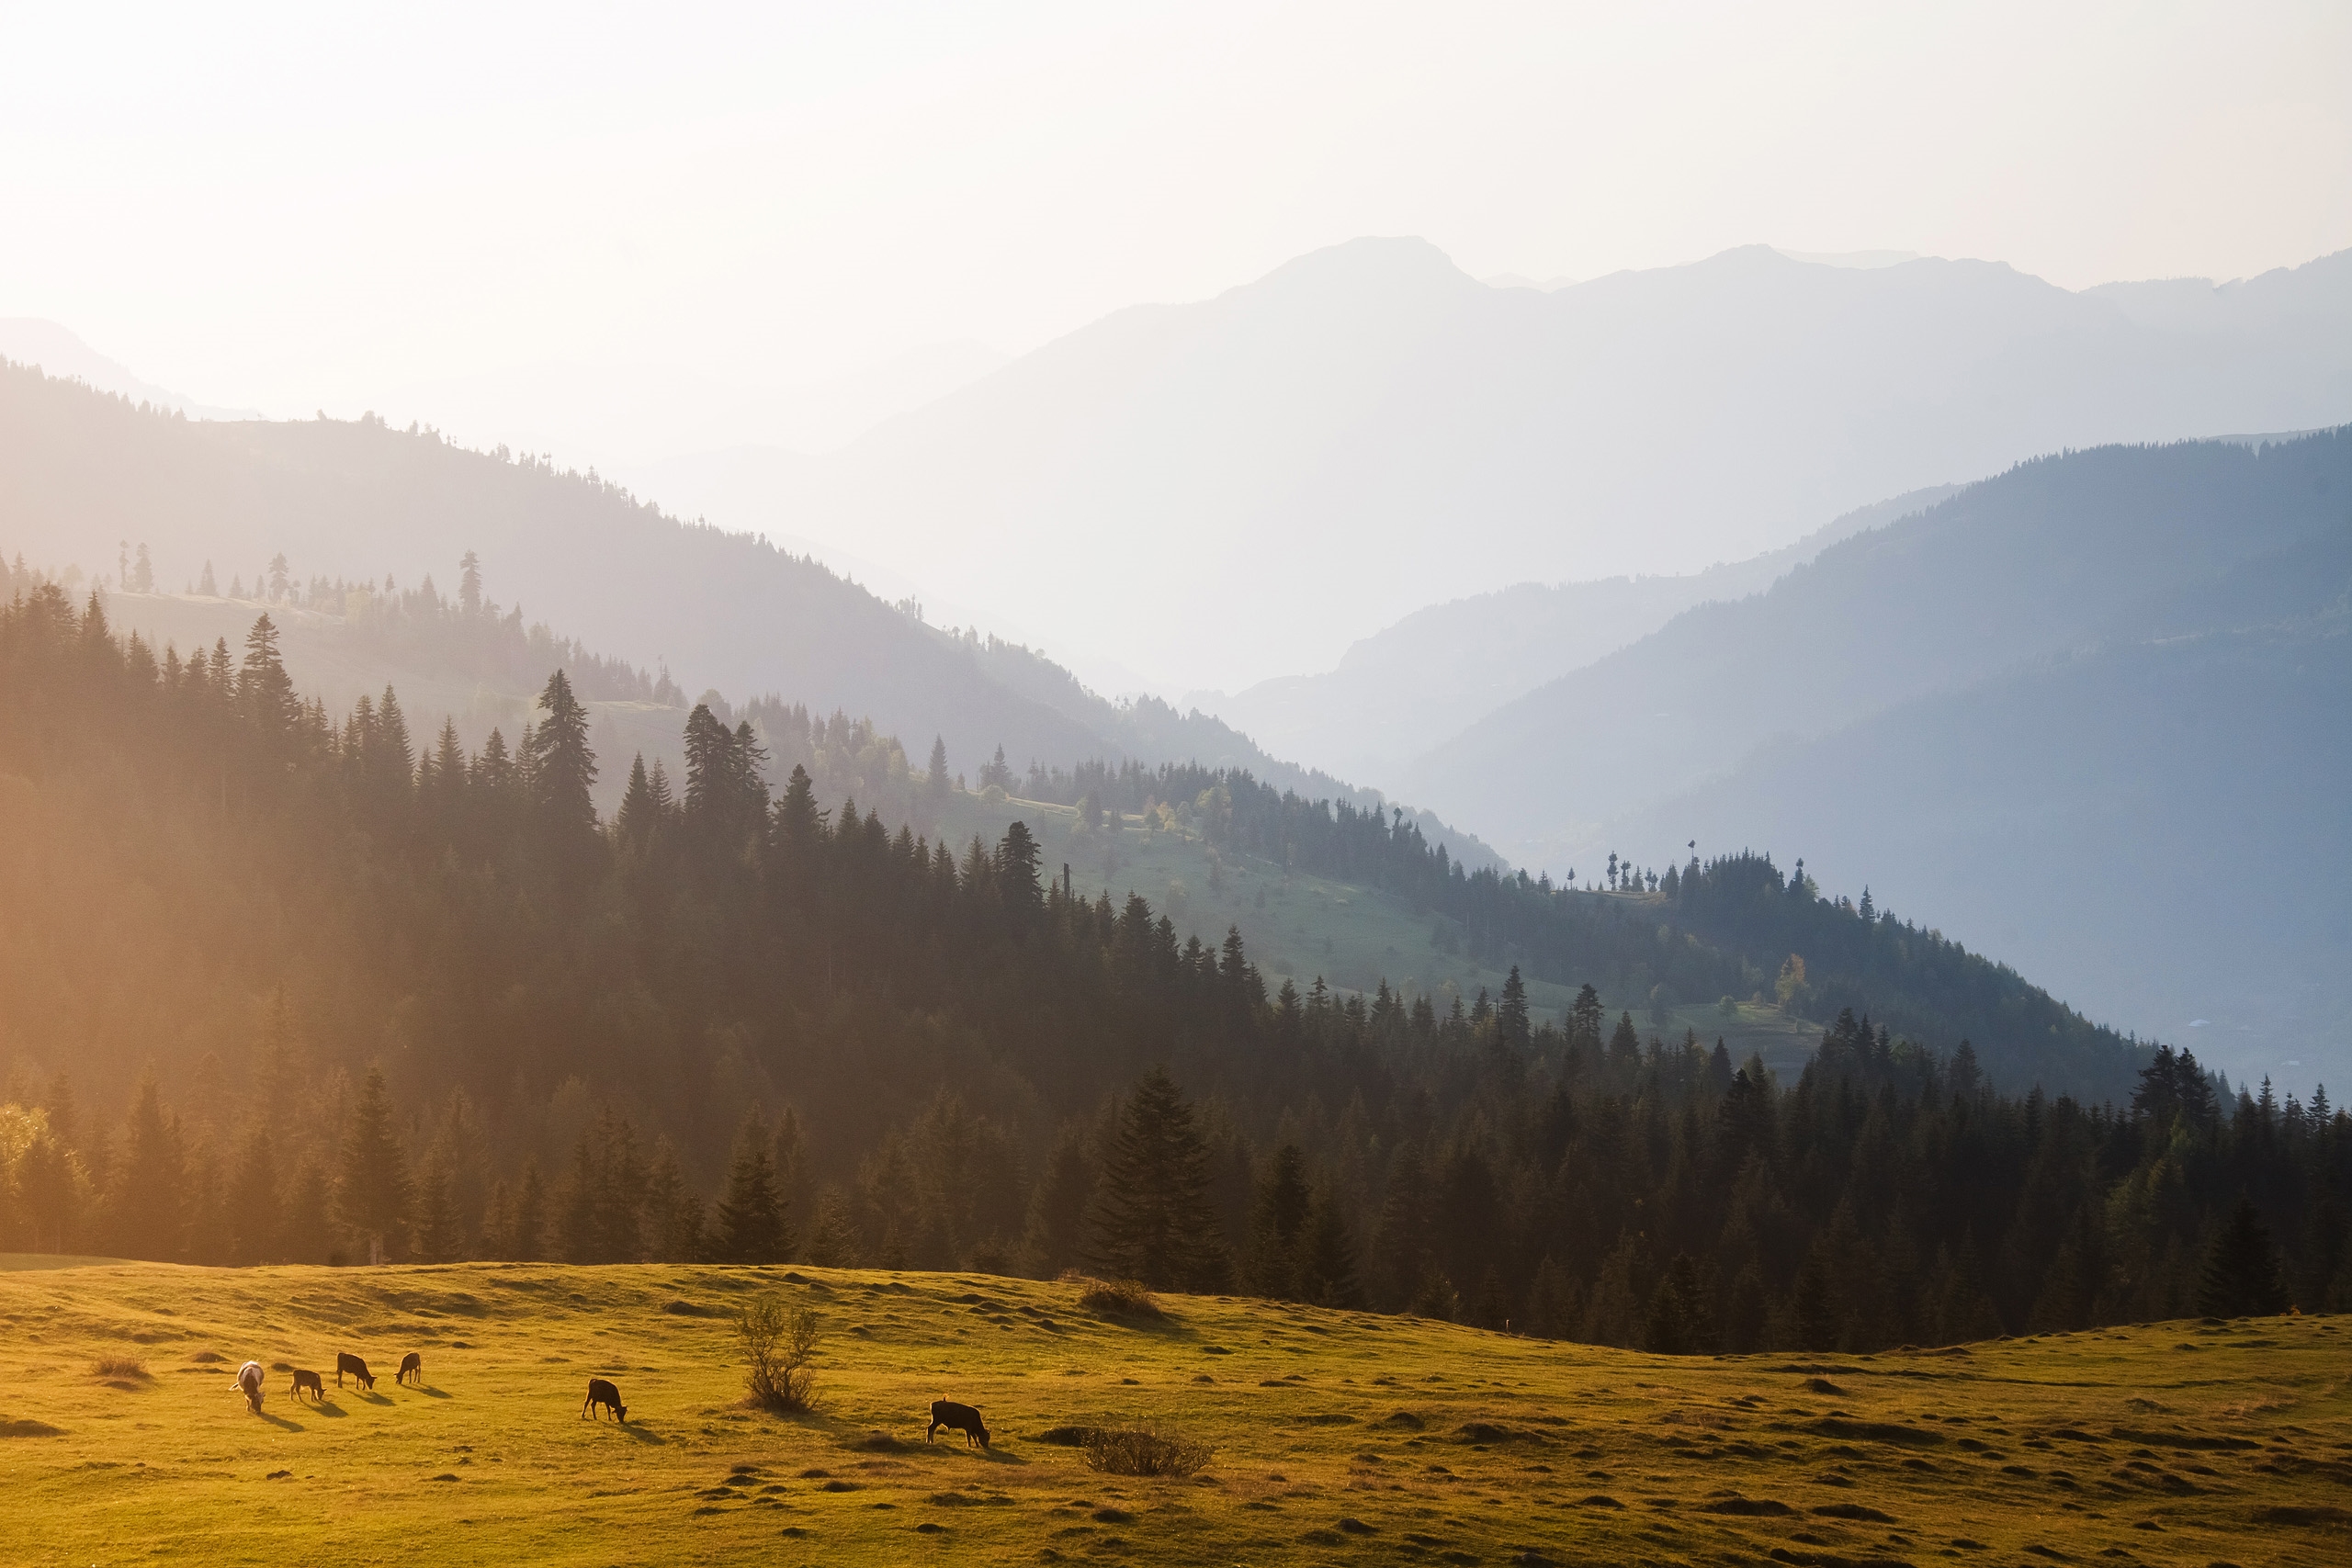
[{"x": 1325, "y": 1437}]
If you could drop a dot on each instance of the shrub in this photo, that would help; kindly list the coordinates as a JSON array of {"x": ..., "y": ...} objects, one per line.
[
  {"x": 1142, "y": 1451},
  {"x": 779, "y": 1346},
  {"x": 1118, "y": 1297},
  {"x": 118, "y": 1367}
]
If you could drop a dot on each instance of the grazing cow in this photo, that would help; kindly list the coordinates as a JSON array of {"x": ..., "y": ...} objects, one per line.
[
  {"x": 604, "y": 1393},
  {"x": 303, "y": 1380},
  {"x": 411, "y": 1366},
  {"x": 248, "y": 1385},
  {"x": 956, "y": 1418},
  {"x": 345, "y": 1361}
]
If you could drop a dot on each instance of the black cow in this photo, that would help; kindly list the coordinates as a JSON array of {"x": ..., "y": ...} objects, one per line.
[
  {"x": 956, "y": 1418},
  {"x": 303, "y": 1380},
  {"x": 345, "y": 1361},
  {"x": 411, "y": 1365},
  {"x": 604, "y": 1393}
]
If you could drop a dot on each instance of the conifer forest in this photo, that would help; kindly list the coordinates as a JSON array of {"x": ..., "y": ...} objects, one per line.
[{"x": 443, "y": 1009}]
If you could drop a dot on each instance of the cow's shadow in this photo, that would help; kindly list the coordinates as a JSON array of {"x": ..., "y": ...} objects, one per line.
[
  {"x": 328, "y": 1408},
  {"x": 372, "y": 1397},
  {"x": 281, "y": 1422},
  {"x": 641, "y": 1433},
  {"x": 431, "y": 1393}
]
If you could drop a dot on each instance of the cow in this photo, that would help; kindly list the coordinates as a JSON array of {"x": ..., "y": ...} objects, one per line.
[
  {"x": 411, "y": 1365},
  {"x": 956, "y": 1418},
  {"x": 248, "y": 1385},
  {"x": 345, "y": 1361},
  {"x": 601, "y": 1393},
  {"x": 308, "y": 1380}
]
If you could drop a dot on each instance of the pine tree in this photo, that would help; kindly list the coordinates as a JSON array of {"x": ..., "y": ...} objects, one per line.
[
  {"x": 2240, "y": 1278},
  {"x": 1328, "y": 1270},
  {"x": 1511, "y": 1025},
  {"x": 254, "y": 1211},
  {"x": 526, "y": 1219},
  {"x": 1680, "y": 1321},
  {"x": 150, "y": 1203},
  {"x": 1055, "y": 1231},
  {"x": 561, "y": 767},
  {"x": 832, "y": 1234},
  {"x": 1152, "y": 1218},
  {"x": 264, "y": 689},
  {"x": 372, "y": 1191},
  {"x": 751, "y": 1223},
  {"x": 1278, "y": 1222},
  {"x": 936, "y": 782},
  {"x": 469, "y": 585}
]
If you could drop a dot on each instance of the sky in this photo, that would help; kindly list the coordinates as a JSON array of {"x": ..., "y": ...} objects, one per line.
[{"x": 619, "y": 232}]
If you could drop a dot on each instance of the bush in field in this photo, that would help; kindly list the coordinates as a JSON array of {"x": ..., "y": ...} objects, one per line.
[
  {"x": 1142, "y": 1451},
  {"x": 1118, "y": 1297},
  {"x": 779, "y": 1347}
]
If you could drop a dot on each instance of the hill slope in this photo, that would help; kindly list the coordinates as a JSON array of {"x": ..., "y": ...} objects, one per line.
[
  {"x": 1331, "y": 1435},
  {"x": 83, "y": 476},
  {"x": 1370, "y": 420}
]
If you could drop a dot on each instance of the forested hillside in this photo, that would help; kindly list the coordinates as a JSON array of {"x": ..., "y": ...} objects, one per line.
[
  {"x": 355, "y": 520},
  {"x": 352, "y": 999}
]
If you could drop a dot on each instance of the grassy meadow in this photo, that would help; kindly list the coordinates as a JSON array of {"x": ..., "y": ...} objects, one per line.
[{"x": 1338, "y": 1438}]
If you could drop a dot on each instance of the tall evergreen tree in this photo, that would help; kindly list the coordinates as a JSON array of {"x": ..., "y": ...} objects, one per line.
[
  {"x": 372, "y": 1188},
  {"x": 1512, "y": 1027},
  {"x": 751, "y": 1221},
  {"x": 562, "y": 768},
  {"x": 253, "y": 1215},
  {"x": 1153, "y": 1220},
  {"x": 151, "y": 1197},
  {"x": 1278, "y": 1225},
  {"x": 2241, "y": 1277},
  {"x": 264, "y": 689}
]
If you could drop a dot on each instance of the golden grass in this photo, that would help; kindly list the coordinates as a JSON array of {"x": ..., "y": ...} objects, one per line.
[{"x": 1335, "y": 1437}]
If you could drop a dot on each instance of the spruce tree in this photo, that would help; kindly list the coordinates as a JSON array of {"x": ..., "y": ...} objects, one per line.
[
  {"x": 935, "y": 784},
  {"x": 254, "y": 1209},
  {"x": 561, "y": 767},
  {"x": 150, "y": 1203},
  {"x": 2240, "y": 1278},
  {"x": 1328, "y": 1266},
  {"x": 1278, "y": 1223},
  {"x": 1152, "y": 1218},
  {"x": 751, "y": 1223},
  {"x": 372, "y": 1191},
  {"x": 1511, "y": 1024},
  {"x": 1055, "y": 1231},
  {"x": 264, "y": 689}
]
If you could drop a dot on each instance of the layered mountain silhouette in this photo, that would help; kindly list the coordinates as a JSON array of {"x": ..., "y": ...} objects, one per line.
[
  {"x": 85, "y": 476},
  {"x": 1218, "y": 491},
  {"x": 2064, "y": 715},
  {"x": 1421, "y": 679}
]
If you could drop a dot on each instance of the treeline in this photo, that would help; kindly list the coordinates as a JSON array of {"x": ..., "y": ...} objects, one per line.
[
  {"x": 1697, "y": 933},
  {"x": 432, "y": 1006}
]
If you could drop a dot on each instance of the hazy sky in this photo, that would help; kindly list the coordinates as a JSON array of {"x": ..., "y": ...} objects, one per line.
[{"x": 612, "y": 230}]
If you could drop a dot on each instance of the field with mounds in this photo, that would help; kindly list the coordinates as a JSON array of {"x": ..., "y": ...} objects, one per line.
[{"x": 1336, "y": 1438}]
